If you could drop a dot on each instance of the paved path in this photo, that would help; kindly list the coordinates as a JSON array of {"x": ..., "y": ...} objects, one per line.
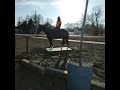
[{"x": 91, "y": 42}]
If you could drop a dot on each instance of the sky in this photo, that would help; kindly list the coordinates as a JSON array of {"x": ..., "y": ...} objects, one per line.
[{"x": 70, "y": 11}]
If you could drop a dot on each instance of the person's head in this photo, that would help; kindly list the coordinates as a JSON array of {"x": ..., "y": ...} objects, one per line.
[{"x": 58, "y": 18}]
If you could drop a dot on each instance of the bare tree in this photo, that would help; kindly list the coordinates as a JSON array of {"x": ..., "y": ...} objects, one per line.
[
  {"x": 20, "y": 20},
  {"x": 94, "y": 19},
  {"x": 91, "y": 19},
  {"x": 48, "y": 20},
  {"x": 27, "y": 18},
  {"x": 48, "y": 23},
  {"x": 97, "y": 12},
  {"x": 40, "y": 19},
  {"x": 78, "y": 24},
  {"x": 34, "y": 17},
  {"x": 69, "y": 26}
]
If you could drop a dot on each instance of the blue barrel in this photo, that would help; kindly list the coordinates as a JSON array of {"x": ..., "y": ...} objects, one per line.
[{"x": 79, "y": 77}]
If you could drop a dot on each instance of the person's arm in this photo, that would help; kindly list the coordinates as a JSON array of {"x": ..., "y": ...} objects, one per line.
[{"x": 56, "y": 25}]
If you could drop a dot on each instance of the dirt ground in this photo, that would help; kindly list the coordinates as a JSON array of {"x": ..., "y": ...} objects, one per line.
[
  {"x": 90, "y": 53},
  {"x": 28, "y": 79}
]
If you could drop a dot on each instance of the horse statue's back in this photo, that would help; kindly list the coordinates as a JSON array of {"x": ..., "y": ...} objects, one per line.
[
  {"x": 64, "y": 34},
  {"x": 55, "y": 34}
]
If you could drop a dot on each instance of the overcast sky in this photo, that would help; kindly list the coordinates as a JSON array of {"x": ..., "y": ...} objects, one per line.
[{"x": 69, "y": 10}]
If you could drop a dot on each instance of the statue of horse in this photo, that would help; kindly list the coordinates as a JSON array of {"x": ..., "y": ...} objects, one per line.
[{"x": 56, "y": 34}]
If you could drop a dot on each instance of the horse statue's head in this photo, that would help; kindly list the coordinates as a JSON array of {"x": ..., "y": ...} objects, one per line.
[{"x": 40, "y": 29}]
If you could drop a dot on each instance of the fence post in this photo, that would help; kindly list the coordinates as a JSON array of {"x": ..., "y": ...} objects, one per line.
[{"x": 27, "y": 44}]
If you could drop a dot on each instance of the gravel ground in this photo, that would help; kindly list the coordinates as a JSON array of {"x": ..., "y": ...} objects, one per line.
[{"x": 28, "y": 79}]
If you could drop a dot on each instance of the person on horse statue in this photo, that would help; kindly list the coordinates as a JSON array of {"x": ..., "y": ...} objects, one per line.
[{"x": 58, "y": 23}]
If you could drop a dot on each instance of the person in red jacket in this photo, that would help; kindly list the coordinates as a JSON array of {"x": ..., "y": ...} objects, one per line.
[{"x": 58, "y": 23}]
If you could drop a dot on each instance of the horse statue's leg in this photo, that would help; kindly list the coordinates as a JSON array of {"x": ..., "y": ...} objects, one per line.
[
  {"x": 63, "y": 42},
  {"x": 50, "y": 41},
  {"x": 67, "y": 42}
]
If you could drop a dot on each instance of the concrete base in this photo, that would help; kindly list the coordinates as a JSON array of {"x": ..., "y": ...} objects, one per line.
[{"x": 58, "y": 49}]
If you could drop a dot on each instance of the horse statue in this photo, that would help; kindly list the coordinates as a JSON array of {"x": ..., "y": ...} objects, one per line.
[{"x": 56, "y": 34}]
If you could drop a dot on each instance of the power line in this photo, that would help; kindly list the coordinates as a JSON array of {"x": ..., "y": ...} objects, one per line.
[
  {"x": 17, "y": 1},
  {"x": 22, "y": 3}
]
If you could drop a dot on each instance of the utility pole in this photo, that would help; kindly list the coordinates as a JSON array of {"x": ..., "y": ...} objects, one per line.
[
  {"x": 36, "y": 22},
  {"x": 82, "y": 32}
]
